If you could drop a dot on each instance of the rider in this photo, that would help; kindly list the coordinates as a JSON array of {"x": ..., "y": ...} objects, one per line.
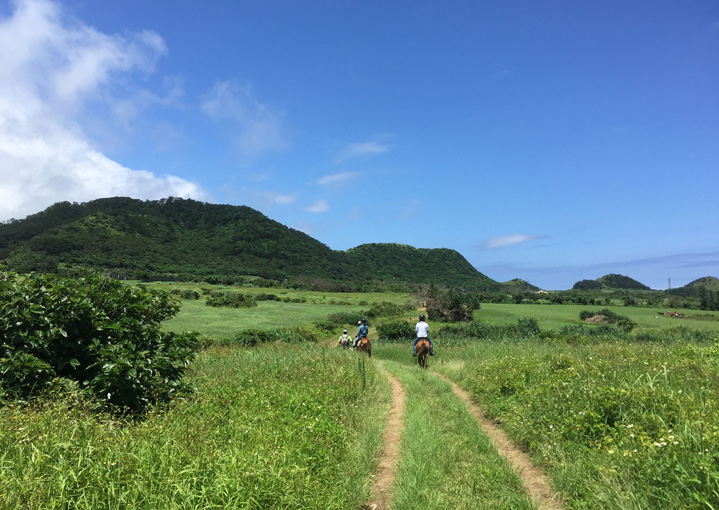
[
  {"x": 345, "y": 339},
  {"x": 362, "y": 331},
  {"x": 422, "y": 331}
]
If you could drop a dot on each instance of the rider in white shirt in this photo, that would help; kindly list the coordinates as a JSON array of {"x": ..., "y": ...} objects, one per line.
[{"x": 422, "y": 331}]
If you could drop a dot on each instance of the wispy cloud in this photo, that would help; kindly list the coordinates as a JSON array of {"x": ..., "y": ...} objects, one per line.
[
  {"x": 51, "y": 68},
  {"x": 510, "y": 240},
  {"x": 260, "y": 128},
  {"x": 274, "y": 198},
  {"x": 338, "y": 178},
  {"x": 355, "y": 150},
  {"x": 319, "y": 206}
]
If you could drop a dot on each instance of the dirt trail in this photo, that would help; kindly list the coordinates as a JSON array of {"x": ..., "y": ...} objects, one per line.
[
  {"x": 534, "y": 480},
  {"x": 383, "y": 482}
]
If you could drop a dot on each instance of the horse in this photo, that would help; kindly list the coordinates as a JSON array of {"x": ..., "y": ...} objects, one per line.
[
  {"x": 423, "y": 351},
  {"x": 365, "y": 345}
]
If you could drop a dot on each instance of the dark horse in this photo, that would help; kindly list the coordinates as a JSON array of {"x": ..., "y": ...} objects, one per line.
[
  {"x": 365, "y": 345},
  {"x": 422, "y": 352}
]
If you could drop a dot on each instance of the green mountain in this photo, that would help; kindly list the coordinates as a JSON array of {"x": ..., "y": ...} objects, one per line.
[
  {"x": 618, "y": 281},
  {"x": 519, "y": 285},
  {"x": 694, "y": 289},
  {"x": 399, "y": 262},
  {"x": 610, "y": 281},
  {"x": 194, "y": 240}
]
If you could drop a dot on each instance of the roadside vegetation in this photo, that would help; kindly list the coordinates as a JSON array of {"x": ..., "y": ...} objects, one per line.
[
  {"x": 270, "y": 427},
  {"x": 273, "y": 415}
]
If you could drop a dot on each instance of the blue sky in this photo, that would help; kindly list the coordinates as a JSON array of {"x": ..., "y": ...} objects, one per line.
[{"x": 551, "y": 141}]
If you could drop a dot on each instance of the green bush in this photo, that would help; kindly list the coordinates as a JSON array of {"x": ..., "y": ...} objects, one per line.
[
  {"x": 252, "y": 337},
  {"x": 98, "y": 332},
  {"x": 387, "y": 309},
  {"x": 452, "y": 305},
  {"x": 396, "y": 331},
  {"x": 622, "y": 322},
  {"x": 230, "y": 300}
]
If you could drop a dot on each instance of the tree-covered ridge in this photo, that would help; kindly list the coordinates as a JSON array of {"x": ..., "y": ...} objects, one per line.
[
  {"x": 188, "y": 239},
  {"x": 618, "y": 281},
  {"x": 438, "y": 266},
  {"x": 519, "y": 285},
  {"x": 170, "y": 237},
  {"x": 610, "y": 281}
]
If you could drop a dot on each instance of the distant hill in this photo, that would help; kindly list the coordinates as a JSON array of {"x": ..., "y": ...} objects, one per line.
[
  {"x": 610, "y": 281},
  {"x": 519, "y": 285},
  {"x": 617, "y": 281},
  {"x": 194, "y": 240},
  {"x": 400, "y": 262},
  {"x": 692, "y": 289}
]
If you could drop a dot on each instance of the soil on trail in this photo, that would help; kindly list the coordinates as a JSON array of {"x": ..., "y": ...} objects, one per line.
[
  {"x": 535, "y": 482},
  {"x": 382, "y": 490}
]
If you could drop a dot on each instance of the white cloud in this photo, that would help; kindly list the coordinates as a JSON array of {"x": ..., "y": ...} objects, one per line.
[
  {"x": 338, "y": 178},
  {"x": 260, "y": 129},
  {"x": 274, "y": 198},
  {"x": 319, "y": 206},
  {"x": 363, "y": 149},
  {"x": 51, "y": 68},
  {"x": 510, "y": 240}
]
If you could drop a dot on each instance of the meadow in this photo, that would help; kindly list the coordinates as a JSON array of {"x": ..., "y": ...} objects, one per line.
[{"x": 618, "y": 421}]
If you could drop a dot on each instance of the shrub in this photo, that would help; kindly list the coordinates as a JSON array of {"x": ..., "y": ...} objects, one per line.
[
  {"x": 387, "y": 309},
  {"x": 98, "y": 332},
  {"x": 622, "y": 322},
  {"x": 266, "y": 297},
  {"x": 452, "y": 305},
  {"x": 396, "y": 331},
  {"x": 230, "y": 300},
  {"x": 252, "y": 337}
]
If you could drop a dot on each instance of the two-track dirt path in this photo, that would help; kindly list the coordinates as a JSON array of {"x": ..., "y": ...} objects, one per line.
[
  {"x": 535, "y": 482},
  {"x": 383, "y": 482}
]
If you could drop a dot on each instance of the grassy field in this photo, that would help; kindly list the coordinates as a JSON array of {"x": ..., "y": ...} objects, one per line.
[
  {"x": 556, "y": 316},
  {"x": 616, "y": 426},
  {"x": 618, "y": 423},
  {"x": 270, "y": 427}
]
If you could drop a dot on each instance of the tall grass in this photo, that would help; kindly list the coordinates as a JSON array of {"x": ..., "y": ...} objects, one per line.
[
  {"x": 271, "y": 427},
  {"x": 617, "y": 425}
]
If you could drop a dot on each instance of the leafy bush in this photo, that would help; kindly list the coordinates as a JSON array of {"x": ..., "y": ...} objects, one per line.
[
  {"x": 622, "y": 322},
  {"x": 267, "y": 297},
  {"x": 185, "y": 293},
  {"x": 388, "y": 309},
  {"x": 230, "y": 300},
  {"x": 396, "y": 331},
  {"x": 452, "y": 305},
  {"x": 342, "y": 318},
  {"x": 252, "y": 337},
  {"x": 98, "y": 332}
]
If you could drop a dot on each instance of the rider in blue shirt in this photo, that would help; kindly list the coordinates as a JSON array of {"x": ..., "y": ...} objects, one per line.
[{"x": 362, "y": 332}]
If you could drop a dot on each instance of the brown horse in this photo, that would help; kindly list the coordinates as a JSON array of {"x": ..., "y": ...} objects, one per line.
[
  {"x": 422, "y": 352},
  {"x": 365, "y": 345}
]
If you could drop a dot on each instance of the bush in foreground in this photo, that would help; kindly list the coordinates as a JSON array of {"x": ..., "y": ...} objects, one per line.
[{"x": 101, "y": 334}]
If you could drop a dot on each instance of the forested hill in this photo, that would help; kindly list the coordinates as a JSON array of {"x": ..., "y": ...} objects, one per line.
[
  {"x": 194, "y": 240},
  {"x": 439, "y": 266},
  {"x": 169, "y": 237}
]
